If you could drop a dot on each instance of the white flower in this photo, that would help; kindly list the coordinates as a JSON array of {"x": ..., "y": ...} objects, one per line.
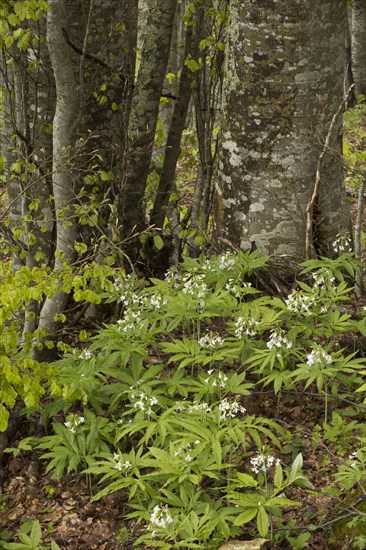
[
  {"x": 227, "y": 261},
  {"x": 73, "y": 421},
  {"x": 278, "y": 340},
  {"x": 203, "y": 407},
  {"x": 230, "y": 410},
  {"x": 194, "y": 285},
  {"x": 85, "y": 354},
  {"x": 245, "y": 326},
  {"x": 143, "y": 402},
  {"x": 161, "y": 516},
  {"x": 211, "y": 341},
  {"x": 262, "y": 462},
  {"x": 342, "y": 243},
  {"x": 318, "y": 357},
  {"x": 121, "y": 465},
  {"x": 300, "y": 303}
]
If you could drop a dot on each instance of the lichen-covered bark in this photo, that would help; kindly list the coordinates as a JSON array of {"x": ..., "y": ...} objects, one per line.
[
  {"x": 358, "y": 45},
  {"x": 145, "y": 109},
  {"x": 285, "y": 70}
]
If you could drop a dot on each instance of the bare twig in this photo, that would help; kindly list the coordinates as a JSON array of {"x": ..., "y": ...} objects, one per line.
[{"x": 311, "y": 203}]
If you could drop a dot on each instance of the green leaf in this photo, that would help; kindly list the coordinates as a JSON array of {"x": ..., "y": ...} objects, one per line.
[
  {"x": 246, "y": 516},
  {"x": 278, "y": 477},
  {"x": 296, "y": 466},
  {"x": 246, "y": 480},
  {"x": 262, "y": 522},
  {"x": 4, "y": 417},
  {"x": 36, "y": 534},
  {"x": 158, "y": 242}
]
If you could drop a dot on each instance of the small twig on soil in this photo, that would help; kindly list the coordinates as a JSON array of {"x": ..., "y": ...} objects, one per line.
[{"x": 311, "y": 203}]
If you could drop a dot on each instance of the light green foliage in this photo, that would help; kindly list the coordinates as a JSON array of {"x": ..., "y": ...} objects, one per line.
[
  {"x": 30, "y": 536},
  {"x": 20, "y": 373},
  {"x": 13, "y": 15},
  {"x": 164, "y": 377},
  {"x": 354, "y": 143},
  {"x": 156, "y": 405}
]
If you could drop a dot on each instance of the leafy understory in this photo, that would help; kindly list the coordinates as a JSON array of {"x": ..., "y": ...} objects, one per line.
[{"x": 158, "y": 406}]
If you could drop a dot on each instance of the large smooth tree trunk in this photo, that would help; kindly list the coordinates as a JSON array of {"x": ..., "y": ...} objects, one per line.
[
  {"x": 285, "y": 70},
  {"x": 358, "y": 45},
  {"x": 64, "y": 135}
]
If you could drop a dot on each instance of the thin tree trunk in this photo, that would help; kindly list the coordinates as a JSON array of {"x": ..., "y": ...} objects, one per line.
[
  {"x": 172, "y": 150},
  {"x": 144, "y": 112}
]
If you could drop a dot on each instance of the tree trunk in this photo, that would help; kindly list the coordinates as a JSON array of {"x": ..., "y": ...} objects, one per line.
[
  {"x": 64, "y": 135},
  {"x": 172, "y": 149},
  {"x": 358, "y": 46},
  {"x": 285, "y": 70},
  {"x": 144, "y": 112}
]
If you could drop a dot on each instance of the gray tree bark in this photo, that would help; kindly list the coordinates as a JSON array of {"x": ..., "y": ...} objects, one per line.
[
  {"x": 358, "y": 45},
  {"x": 64, "y": 135},
  {"x": 285, "y": 69},
  {"x": 172, "y": 149},
  {"x": 144, "y": 112}
]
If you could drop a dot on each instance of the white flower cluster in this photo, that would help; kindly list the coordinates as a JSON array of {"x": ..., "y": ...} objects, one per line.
[
  {"x": 300, "y": 303},
  {"x": 321, "y": 281},
  {"x": 130, "y": 320},
  {"x": 262, "y": 463},
  {"x": 73, "y": 421},
  {"x": 194, "y": 407},
  {"x": 227, "y": 261},
  {"x": 131, "y": 299},
  {"x": 161, "y": 516},
  {"x": 172, "y": 276},
  {"x": 353, "y": 458},
  {"x": 318, "y": 357},
  {"x": 118, "y": 284},
  {"x": 194, "y": 285},
  {"x": 211, "y": 341},
  {"x": 230, "y": 410},
  {"x": 202, "y": 407},
  {"x": 144, "y": 402},
  {"x": 217, "y": 380},
  {"x": 278, "y": 340},
  {"x": 235, "y": 288},
  {"x": 342, "y": 243},
  {"x": 127, "y": 285},
  {"x": 245, "y": 326},
  {"x": 183, "y": 450},
  {"x": 85, "y": 354},
  {"x": 121, "y": 465},
  {"x": 154, "y": 301}
]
